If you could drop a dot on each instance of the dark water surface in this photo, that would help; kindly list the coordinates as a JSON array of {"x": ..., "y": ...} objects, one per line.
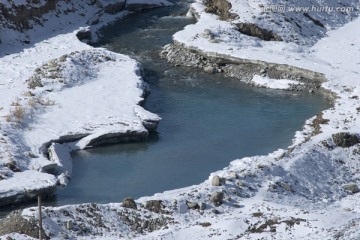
[{"x": 207, "y": 120}]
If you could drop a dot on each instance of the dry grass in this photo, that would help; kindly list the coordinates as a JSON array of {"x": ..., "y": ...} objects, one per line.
[
  {"x": 28, "y": 94},
  {"x": 17, "y": 114},
  {"x": 16, "y": 103},
  {"x": 46, "y": 102},
  {"x": 33, "y": 102},
  {"x": 8, "y": 118}
]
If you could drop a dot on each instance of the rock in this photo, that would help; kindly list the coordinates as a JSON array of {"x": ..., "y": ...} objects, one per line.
[
  {"x": 315, "y": 21},
  {"x": 318, "y": 121},
  {"x": 154, "y": 206},
  {"x": 216, "y": 181},
  {"x": 15, "y": 223},
  {"x": 129, "y": 203},
  {"x": 207, "y": 34},
  {"x": 353, "y": 188},
  {"x": 263, "y": 71},
  {"x": 285, "y": 186},
  {"x": 69, "y": 224},
  {"x": 217, "y": 198},
  {"x": 253, "y": 30},
  {"x": 239, "y": 183},
  {"x": 220, "y": 8},
  {"x": 202, "y": 205},
  {"x": 12, "y": 166},
  {"x": 144, "y": 224},
  {"x": 192, "y": 205},
  {"x": 63, "y": 58},
  {"x": 84, "y": 34},
  {"x": 209, "y": 69},
  {"x": 345, "y": 140},
  {"x": 215, "y": 211}
]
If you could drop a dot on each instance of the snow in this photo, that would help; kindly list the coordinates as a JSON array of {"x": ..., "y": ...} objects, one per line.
[
  {"x": 22, "y": 182},
  {"x": 16, "y": 236},
  {"x": 298, "y": 192},
  {"x": 267, "y": 82}
]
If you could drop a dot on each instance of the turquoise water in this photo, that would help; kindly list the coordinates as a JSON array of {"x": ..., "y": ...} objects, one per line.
[{"x": 208, "y": 121}]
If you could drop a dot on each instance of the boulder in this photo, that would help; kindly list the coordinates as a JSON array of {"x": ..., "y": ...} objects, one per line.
[
  {"x": 285, "y": 186},
  {"x": 217, "y": 198},
  {"x": 129, "y": 203},
  {"x": 69, "y": 225},
  {"x": 84, "y": 34},
  {"x": 209, "y": 69},
  {"x": 220, "y": 8},
  {"x": 345, "y": 140},
  {"x": 215, "y": 211},
  {"x": 253, "y": 30},
  {"x": 207, "y": 34},
  {"x": 216, "y": 181},
  {"x": 353, "y": 188},
  {"x": 192, "y": 205}
]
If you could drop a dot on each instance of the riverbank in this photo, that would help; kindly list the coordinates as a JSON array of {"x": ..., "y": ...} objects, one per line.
[
  {"x": 308, "y": 191},
  {"x": 57, "y": 90}
]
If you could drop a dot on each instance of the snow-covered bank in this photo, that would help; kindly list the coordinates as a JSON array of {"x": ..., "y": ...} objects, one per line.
[
  {"x": 307, "y": 192},
  {"x": 56, "y": 88}
]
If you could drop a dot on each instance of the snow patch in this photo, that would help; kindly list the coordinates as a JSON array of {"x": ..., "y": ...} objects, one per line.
[{"x": 266, "y": 82}]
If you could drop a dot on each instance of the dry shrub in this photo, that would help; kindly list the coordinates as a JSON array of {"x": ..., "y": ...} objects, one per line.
[
  {"x": 33, "y": 102},
  {"x": 28, "y": 94},
  {"x": 18, "y": 113},
  {"x": 15, "y": 103}
]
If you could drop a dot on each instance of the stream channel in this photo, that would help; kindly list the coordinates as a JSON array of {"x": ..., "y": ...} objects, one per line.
[{"x": 208, "y": 120}]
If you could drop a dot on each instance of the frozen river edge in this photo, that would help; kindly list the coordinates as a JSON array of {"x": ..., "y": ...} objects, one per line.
[{"x": 281, "y": 180}]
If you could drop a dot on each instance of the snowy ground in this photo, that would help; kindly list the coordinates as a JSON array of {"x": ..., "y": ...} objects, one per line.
[{"x": 306, "y": 192}]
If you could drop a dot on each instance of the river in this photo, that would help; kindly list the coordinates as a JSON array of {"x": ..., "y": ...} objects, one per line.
[{"x": 207, "y": 120}]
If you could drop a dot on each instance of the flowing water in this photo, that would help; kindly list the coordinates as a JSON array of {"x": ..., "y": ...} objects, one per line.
[{"x": 207, "y": 120}]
